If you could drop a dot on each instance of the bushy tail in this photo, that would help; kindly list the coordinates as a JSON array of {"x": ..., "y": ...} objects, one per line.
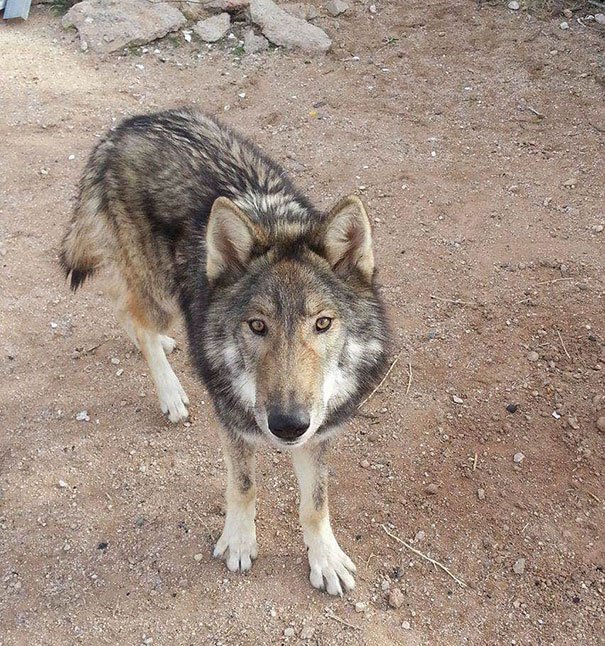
[{"x": 83, "y": 244}]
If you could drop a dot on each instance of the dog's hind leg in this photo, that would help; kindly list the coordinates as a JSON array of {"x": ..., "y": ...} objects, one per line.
[
  {"x": 331, "y": 568},
  {"x": 237, "y": 543}
]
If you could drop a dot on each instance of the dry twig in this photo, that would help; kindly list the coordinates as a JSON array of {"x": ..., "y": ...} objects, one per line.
[
  {"x": 407, "y": 390},
  {"x": 461, "y": 583},
  {"x": 331, "y": 615},
  {"x": 563, "y": 344},
  {"x": 381, "y": 382}
]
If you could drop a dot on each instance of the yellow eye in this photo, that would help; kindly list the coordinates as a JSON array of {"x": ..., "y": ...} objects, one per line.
[
  {"x": 323, "y": 323},
  {"x": 258, "y": 327}
]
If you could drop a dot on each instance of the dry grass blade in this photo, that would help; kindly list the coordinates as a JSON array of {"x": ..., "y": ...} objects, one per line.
[
  {"x": 407, "y": 390},
  {"x": 461, "y": 583},
  {"x": 454, "y": 301},
  {"x": 381, "y": 381}
]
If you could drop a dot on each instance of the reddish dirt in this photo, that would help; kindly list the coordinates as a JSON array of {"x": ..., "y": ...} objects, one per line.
[{"x": 484, "y": 256}]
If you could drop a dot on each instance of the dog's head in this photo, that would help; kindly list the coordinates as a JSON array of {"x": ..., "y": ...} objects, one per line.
[{"x": 293, "y": 316}]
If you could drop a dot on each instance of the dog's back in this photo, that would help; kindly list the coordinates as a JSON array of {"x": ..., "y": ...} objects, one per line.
[{"x": 147, "y": 192}]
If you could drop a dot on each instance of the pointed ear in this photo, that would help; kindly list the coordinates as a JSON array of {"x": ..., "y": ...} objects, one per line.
[
  {"x": 229, "y": 238},
  {"x": 348, "y": 238}
]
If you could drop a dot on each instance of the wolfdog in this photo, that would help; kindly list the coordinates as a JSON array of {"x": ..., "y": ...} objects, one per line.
[{"x": 283, "y": 319}]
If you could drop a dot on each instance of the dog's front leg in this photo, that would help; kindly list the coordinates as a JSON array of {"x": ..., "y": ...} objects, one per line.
[
  {"x": 238, "y": 540},
  {"x": 331, "y": 568}
]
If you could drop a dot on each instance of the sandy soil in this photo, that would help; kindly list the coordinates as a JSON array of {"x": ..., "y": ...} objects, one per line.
[{"x": 485, "y": 257}]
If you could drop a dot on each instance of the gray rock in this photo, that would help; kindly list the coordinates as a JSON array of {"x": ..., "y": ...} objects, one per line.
[
  {"x": 396, "y": 598},
  {"x": 600, "y": 18},
  {"x": 513, "y": 5},
  {"x": 254, "y": 43},
  {"x": 287, "y": 31},
  {"x": 227, "y": 5},
  {"x": 300, "y": 10},
  {"x": 213, "y": 29},
  {"x": 601, "y": 424},
  {"x": 518, "y": 457},
  {"x": 519, "y": 566},
  {"x": 336, "y": 7},
  {"x": 533, "y": 356},
  {"x": 109, "y": 25}
]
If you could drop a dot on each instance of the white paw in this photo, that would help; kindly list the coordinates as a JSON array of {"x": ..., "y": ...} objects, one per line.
[
  {"x": 168, "y": 343},
  {"x": 173, "y": 400},
  {"x": 237, "y": 544},
  {"x": 331, "y": 569}
]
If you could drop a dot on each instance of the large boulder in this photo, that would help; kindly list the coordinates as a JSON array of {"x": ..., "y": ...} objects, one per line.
[
  {"x": 109, "y": 25},
  {"x": 287, "y": 31}
]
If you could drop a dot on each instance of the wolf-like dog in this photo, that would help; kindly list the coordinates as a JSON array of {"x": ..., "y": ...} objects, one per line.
[{"x": 284, "y": 322}]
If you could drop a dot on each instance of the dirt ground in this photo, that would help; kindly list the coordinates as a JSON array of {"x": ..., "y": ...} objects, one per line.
[{"x": 475, "y": 136}]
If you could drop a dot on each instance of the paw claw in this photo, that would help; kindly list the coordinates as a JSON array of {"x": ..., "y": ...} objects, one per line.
[
  {"x": 237, "y": 545},
  {"x": 331, "y": 569}
]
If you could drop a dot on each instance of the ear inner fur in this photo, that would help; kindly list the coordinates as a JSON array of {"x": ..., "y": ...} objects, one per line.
[
  {"x": 348, "y": 237},
  {"x": 229, "y": 238}
]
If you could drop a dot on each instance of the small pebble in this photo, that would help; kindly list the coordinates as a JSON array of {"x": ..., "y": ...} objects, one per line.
[
  {"x": 385, "y": 586},
  {"x": 597, "y": 228},
  {"x": 198, "y": 557},
  {"x": 83, "y": 416},
  {"x": 289, "y": 632},
  {"x": 518, "y": 458},
  {"x": 406, "y": 624},
  {"x": 519, "y": 566},
  {"x": 115, "y": 361},
  {"x": 62, "y": 484},
  {"x": 512, "y": 408},
  {"x": 396, "y": 598},
  {"x": 119, "y": 372},
  {"x": 364, "y": 464},
  {"x": 360, "y": 606},
  {"x": 601, "y": 424},
  {"x": 481, "y": 494},
  {"x": 307, "y": 632},
  {"x": 564, "y": 25},
  {"x": 600, "y": 18},
  {"x": 420, "y": 536},
  {"x": 533, "y": 356},
  {"x": 431, "y": 489},
  {"x": 513, "y": 5},
  {"x": 457, "y": 400}
]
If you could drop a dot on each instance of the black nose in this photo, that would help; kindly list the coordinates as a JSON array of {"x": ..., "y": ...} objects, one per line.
[{"x": 288, "y": 425}]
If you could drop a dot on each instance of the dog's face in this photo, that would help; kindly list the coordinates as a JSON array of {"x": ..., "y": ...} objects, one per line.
[{"x": 293, "y": 315}]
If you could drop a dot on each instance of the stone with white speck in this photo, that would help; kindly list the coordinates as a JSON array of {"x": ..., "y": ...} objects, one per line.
[
  {"x": 519, "y": 566},
  {"x": 62, "y": 484},
  {"x": 83, "y": 416},
  {"x": 513, "y": 5},
  {"x": 564, "y": 25},
  {"x": 457, "y": 400},
  {"x": 406, "y": 625},
  {"x": 518, "y": 457}
]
